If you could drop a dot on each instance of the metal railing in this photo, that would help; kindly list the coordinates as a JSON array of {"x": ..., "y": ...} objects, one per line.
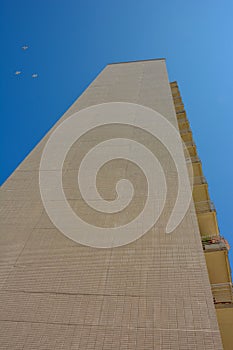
[
  {"x": 214, "y": 242},
  {"x": 204, "y": 206}
]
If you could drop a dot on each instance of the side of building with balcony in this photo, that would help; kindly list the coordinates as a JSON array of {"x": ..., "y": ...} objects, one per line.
[{"x": 214, "y": 245}]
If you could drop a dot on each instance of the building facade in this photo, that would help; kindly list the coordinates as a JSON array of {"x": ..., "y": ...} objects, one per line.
[{"x": 161, "y": 291}]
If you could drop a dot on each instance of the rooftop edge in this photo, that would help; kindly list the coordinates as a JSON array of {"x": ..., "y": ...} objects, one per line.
[{"x": 150, "y": 59}]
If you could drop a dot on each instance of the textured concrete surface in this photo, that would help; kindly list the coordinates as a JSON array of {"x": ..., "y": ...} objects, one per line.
[{"x": 151, "y": 294}]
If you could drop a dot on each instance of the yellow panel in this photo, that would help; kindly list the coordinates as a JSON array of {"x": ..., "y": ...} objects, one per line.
[
  {"x": 225, "y": 322},
  {"x": 208, "y": 225},
  {"x": 181, "y": 115},
  {"x": 174, "y": 90},
  {"x": 179, "y": 108},
  {"x": 183, "y": 125},
  {"x": 187, "y": 137},
  {"x": 173, "y": 83},
  {"x": 200, "y": 193},
  {"x": 218, "y": 266},
  {"x": 177, "y": 100},
  {"x": 192, "y": 151},
  {"x": 197, "y": 169}
]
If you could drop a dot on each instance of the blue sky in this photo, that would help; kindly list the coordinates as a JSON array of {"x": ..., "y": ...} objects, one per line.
[{"x": 72, "y": 41}]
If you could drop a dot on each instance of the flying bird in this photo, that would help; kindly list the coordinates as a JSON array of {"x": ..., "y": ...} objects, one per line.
[
  {"x": 35, "y": 75},
  {"x": 24, "y": 47},
  {"x": 18, "y": 72}
]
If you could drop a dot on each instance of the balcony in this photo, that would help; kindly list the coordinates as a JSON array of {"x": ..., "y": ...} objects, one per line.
[
  {"x": 181, "y": 115},
  {"x": 190, "y": 144},
  {"x": 193, "y": 159},
  {"x": 204, "y": 206},
  {"x": 212, "y": 243},
  {"x": 185, "y": 131},
  {"x": 175, "y": 92},
  {"x": 173, "y": 84},
  {"x": 222, "y": 293},
  {"x": 177, "y": 100},
  {"x": 179, "y": 107},
  {"x": 199, "y": 180},
  {"x": 182, "y": 120},
  {"x": 180, "y": 112}
]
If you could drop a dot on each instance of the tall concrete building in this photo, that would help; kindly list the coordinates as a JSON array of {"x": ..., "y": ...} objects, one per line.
[{"x": 157, "y": 291}]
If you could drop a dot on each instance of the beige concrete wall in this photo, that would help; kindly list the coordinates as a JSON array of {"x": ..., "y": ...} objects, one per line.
[{"x": 153, "y": 293}]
